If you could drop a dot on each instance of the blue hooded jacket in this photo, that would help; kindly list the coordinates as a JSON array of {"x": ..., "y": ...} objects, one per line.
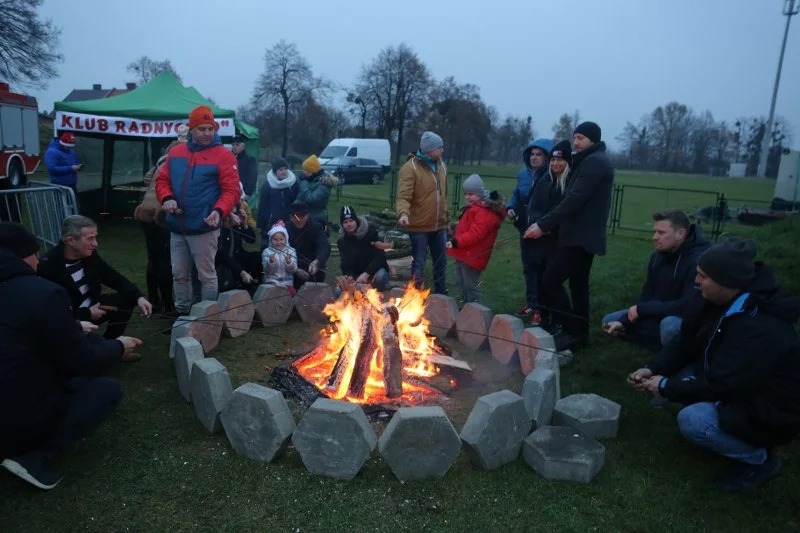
[
  {"x": 526, "y": 176},
  {"x": 59, "y": 164}
]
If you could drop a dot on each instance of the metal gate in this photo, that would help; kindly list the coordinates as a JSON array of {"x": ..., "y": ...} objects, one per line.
[{"x": 41, "y": 207}]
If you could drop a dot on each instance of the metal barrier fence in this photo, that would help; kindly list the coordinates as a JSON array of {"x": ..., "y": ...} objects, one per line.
[{"x": 41, "y": 207}]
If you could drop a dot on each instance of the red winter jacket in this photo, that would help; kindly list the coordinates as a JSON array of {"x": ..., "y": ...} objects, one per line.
[
  {"x": 476, "y": 232},
  {"x": 201, "y": 179}
]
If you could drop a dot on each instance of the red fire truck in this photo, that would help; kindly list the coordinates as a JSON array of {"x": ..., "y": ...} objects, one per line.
[{"x": 19, "y": 137}]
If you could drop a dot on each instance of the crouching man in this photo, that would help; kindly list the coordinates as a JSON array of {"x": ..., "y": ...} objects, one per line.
[
  {"x": 361, "y": 251},
  {"x": 49, "y": 397},
  {"x": 736, "y": 366}
]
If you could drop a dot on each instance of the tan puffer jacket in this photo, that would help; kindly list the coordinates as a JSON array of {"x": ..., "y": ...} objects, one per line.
[{"x": 422, "y": 195}]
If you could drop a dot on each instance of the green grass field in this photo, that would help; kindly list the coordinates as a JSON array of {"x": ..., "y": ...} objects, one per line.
[{"x": 152, "y": 467}]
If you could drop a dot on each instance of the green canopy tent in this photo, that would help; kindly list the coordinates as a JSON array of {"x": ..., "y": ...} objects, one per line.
[{"x": 150, "y": 114}]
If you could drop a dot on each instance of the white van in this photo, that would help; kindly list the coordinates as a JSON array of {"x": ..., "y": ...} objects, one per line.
[{"x": 377, "y": 149}]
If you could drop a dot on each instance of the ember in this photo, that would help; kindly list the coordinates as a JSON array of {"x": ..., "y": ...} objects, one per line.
[{"x": 372, "y": 351}]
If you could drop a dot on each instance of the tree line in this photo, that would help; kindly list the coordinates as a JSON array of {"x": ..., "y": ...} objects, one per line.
[{"x": 395, "y": 97}]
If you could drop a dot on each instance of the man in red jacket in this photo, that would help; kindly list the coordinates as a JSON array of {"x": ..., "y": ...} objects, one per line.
[{"x": 198, "y": 186}]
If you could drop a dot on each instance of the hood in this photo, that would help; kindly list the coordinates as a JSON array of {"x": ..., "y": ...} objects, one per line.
[
  {"x": 695, "y": 243},
  {"x": 770, "y": 298},
  {"x": 496, "y": 204},
  {"x": 329, "y": 179},
  {"x": 361, "y": 230},
  {"x": 194, "y": 147},
  {"x": 12, "y": 266},
  {"x": 543, "y": 144}
]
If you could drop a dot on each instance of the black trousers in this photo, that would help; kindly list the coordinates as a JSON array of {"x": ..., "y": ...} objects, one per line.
[
  {"x": 159, "y": 266},
  {"x": 117, "y": 320},
  {"x": 573, "y": 264}
]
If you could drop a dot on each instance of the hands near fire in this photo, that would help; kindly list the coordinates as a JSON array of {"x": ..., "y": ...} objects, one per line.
[
  {"x": 615, "y": 329},
  {"x": 247, "y": 279},
  {"x": 533, "y": 232},
  {"x": 638, "y": 378},
  {"x": 171, "y": 206},
  {"x": 144, "y": 306},
  {"x": 403, "y": 221},
  {"x": 313, "y": 267},
  {"x": 88, "y": 327},
  {"x": 633, "y": 313},
  {"x": 95, "y": 312},
  {"x": 363, "y": 278},
  {"x": 130, "y": 344},
  {"x": 213, "y": 219}
]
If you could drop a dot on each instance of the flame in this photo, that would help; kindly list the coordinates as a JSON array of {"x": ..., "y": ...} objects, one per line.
[{"x": 350, "y": 316}]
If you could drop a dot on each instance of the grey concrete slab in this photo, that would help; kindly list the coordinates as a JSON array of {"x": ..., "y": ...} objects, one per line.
[
  {"x": 504, "y": 335},
  {"x": 472, "y": 326},
  {"x": 236, "y": 311},
  {"x": 211, "y": 392},
  {"x": 591, "y": 414},
  {"x": 208, "y": 326},
  {"x": 272, "y": 305},
  {"x": 539, "y": 392},
  {"x": 495, "y": 429},
  {"x": 311, "y": 299},
  {"x": 441, "y": 311},
  {"x": 188, "y": 350},
  {"x": 531, "y": 343},
  {"x": 563, "y": 454}
]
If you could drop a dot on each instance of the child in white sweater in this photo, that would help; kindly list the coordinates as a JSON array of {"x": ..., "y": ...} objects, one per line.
[{"x": 279, "y": 259}]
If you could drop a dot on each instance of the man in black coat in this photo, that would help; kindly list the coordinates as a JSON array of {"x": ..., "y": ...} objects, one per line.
[
  {"x": 736, "y": 366},
  {"x": 248, "y": 167},
  {"x": 75, "y": 265},
  {"x": 361, "y": 259},
  {"x": 310, "y": 240},
  {"x": 655, "y": 319},
  {"x": 581, "y": 219},
  {"x": 47, "y": 402}
]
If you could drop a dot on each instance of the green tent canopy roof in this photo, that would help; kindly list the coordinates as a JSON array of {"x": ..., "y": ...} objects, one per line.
[{"x": 162, "y": 98}]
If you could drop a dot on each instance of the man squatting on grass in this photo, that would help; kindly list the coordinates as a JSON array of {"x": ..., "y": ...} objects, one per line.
[{"x": 735, "y": 366}]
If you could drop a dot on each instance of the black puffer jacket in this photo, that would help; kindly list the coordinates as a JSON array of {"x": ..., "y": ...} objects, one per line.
[
  {"x": 746, "y": 356},
  {"x": 669, "y": 286},
  {"x": 357, "y": 253},
  {"x": 545, "y": 196},
  {"x": 582, "y": 215},
  {"x": 310, "y": 242},
  {"x": 41, "y": 348}
]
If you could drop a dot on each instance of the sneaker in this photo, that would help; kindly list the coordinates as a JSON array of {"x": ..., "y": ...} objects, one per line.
[
  {"x": 33, "y": 468},
  {"x": 536, "y": 319},
  {"x": 743, "y": 477},
  {"x": 524, "y": 312}
]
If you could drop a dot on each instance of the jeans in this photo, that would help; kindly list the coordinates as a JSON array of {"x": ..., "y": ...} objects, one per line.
[
  {"x": 199, "y": 250},
  {"x": 669, "y": 329},
  {"x": 420, "y": 243},
  {"x": 699, "y": 423},
  {"x": 469, "y": 282},
  {"x": 571, "y": 263}
]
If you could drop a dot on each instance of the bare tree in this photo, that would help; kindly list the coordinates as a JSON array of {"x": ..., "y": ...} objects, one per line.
[
  {"x": 394, "y": 84},
  {"x": 146, "y": 69},
  {"x": 359, "y": 106},
  {"x": 566, "y": 124},
  {"x": 669, "y": 127},
  {"x": 287, "y": 79},
  {"x": 28, "y": 45}
]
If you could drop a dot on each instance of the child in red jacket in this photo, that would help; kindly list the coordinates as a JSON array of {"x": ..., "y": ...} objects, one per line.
[{"x": 475, "y": 234}]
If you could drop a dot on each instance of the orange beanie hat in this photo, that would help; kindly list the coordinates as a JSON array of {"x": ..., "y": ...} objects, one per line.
[
  {"x": 201, "y": 115},
  {"x": 311, "y": 165}
]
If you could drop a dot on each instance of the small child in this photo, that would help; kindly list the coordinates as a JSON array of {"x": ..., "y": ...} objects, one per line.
[
  {"x": 473, "y": 240},
  {"x": 279, "y": 259}
]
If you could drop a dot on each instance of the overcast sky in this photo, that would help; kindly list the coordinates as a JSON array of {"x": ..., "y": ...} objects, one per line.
[{"x": 614, "y": 60}]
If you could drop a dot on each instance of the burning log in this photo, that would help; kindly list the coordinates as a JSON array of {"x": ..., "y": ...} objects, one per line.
[
  {"x": 338, "y": 370},
  {"x": 358, "y": 380},
  {"x": 392, "y": 356}
]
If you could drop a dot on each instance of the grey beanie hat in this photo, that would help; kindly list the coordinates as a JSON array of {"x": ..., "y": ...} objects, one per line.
[
  {"x": 474, "y": 184},
  {"x": 731, "y": 264},
  {"x": 430, "y": 142}
]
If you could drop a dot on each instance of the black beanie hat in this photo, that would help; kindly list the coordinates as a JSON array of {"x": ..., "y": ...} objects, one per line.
[
  {"x": 18, "y": 239},
  {"x": 279, "y": 162},
  {"x": 590, "y": 130},
  {"x": 731, "y": 264},
  {"x": 562, "y": 150},
  {"x": 347, "y": 213}
]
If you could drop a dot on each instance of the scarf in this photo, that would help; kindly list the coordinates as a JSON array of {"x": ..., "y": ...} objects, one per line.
[{"x": 275, "y": 183}]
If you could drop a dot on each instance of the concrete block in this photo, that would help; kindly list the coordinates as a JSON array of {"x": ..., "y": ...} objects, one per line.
[
  {"x": 495, "y": 429},
  {"x": 419, "y": 443},
  {"x": 539, "y": 392},
  {"x": 211, "y": 392},
  {"x": 187, "y": 351},
  {"x": 334, "y": 439},
  {"x": 208, "y": 326},
  {"x": 311, "y": 299},
  {"x": 258, "y": 422},
  {"x": 236, "y": 312},
  {"x": 441, "y": 311},
  {"x": 472, "y": 326},
  {"x": 272, "y": 305},
  {"x": 563, "y": 454},
  {"x": 504, "y": 335},
  {"x": 591, "y": 414},
  {"x": 531, "y": 343}
]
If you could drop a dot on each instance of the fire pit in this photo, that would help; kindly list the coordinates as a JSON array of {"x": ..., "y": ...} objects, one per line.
[{"x": 376, "y": 352}]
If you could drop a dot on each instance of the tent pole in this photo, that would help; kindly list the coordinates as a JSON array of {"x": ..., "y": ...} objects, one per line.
[
  {"x": 108, "y": 168},
  {"x": 146, "y": 156}
]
